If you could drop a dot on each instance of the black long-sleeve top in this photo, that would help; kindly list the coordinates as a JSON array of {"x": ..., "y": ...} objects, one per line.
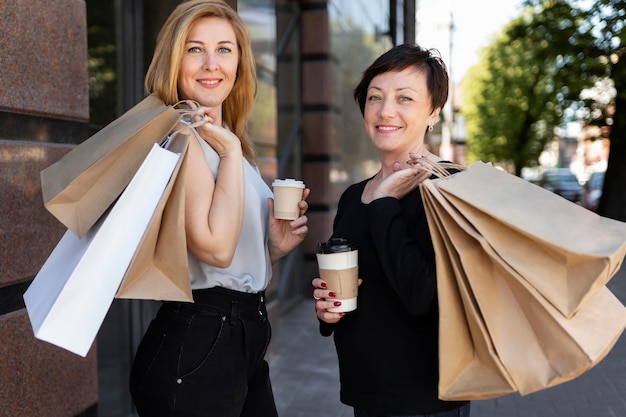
[{"x": 388, "y": 347}]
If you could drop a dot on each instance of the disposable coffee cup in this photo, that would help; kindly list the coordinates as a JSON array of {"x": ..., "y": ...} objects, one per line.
[
  {"x": 287, "y": 195},
  {"x": 338, "y": 264}
]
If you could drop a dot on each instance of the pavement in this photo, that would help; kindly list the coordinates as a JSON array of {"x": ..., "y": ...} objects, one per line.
[{"x": 305, "y": 377}]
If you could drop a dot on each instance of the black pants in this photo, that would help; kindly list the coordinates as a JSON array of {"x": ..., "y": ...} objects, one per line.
[{"x": 205, "y": 359}]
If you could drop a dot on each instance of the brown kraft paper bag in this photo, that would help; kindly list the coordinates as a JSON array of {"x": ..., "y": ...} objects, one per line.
[
  {"x": 80, "y": 187},
  {"x": 566, "y": 252},
  {"x": 538, "y": 345},
  {"x": 159, "y": 269},
  {"x": 469, "y": 368}
]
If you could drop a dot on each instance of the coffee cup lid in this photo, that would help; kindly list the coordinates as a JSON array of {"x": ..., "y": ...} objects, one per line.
[
  {"x": 335, "y": 245},
  {"x": 288, "y": 182}
]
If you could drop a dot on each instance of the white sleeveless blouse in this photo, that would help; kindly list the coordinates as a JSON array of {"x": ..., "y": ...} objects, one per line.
[{"x": 251, "y": 269}]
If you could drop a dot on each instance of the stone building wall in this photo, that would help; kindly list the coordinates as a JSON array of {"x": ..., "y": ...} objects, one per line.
[{"x": 44, "y": 109}]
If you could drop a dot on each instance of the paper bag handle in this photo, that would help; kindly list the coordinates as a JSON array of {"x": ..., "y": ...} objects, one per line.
[
  {"x": 184, "y": 112},
  {"x": 436, "y": 168}
]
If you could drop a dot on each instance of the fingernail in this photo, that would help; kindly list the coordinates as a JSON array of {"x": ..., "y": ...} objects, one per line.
[
  {"x": 337, "y": 303},
  {"x": 342, "y": 314},
  {"x": 323, "y": 285},
  {"x": 332, "y": 294}
]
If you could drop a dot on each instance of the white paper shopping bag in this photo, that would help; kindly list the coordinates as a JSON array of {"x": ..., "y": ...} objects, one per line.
[{"x": 70, "y": 296}]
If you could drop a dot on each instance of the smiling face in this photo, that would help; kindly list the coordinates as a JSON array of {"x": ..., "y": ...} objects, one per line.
[
  {"x": 398, "y": 111},
  {"x": 209, "y": 65}
]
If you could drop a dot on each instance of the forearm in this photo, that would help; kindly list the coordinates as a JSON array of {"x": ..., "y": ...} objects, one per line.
[
  {"x": 214, "y": 209},
  {"x": 227, "y": 208},
  {"x": 407, "y": 259}
]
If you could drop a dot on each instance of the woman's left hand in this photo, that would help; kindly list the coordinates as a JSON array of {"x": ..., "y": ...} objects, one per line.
[{"x": 285, "y": 235}]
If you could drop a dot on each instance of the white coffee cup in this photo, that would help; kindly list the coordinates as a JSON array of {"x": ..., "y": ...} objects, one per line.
[
  {"x": 287, "y": 195},
  {"x": 338, "y": 263}
]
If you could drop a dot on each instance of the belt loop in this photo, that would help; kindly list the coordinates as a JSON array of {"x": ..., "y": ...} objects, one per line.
[{"x": 261, "y": 304}]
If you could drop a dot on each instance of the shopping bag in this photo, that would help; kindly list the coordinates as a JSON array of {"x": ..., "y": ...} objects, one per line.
[
  {"x": 159, "y": 269},
  {"x": 70, "y": 296},
  {"x": 565, "y": 251},
  {"x": 537, "y": 345},
  {"x": 81, "y": 186},
  {"x": 469, "y": 366}
]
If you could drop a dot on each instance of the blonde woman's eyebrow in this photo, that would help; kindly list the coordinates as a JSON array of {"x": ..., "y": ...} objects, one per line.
[{"x": 225, "y": 42}]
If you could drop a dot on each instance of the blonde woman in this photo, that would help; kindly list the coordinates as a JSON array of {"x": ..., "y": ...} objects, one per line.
[{"x": 207, "y": 358}]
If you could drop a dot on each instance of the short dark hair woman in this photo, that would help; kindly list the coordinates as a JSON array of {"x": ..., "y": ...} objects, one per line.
[{"x": 388, "y": 347}]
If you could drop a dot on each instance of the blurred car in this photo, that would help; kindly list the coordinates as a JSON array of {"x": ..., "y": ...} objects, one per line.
[
  {"x": 563, "y": 182},
  {"x": 592, "y": 191}
]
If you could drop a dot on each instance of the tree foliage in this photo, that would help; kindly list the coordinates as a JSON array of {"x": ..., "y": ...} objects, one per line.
[
  {"x": 516, "y": 97},
  {"x": 605, "y": 23}
]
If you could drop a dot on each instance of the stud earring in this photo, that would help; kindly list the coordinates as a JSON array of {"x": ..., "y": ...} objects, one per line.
[{"x": 430, "y": 128}]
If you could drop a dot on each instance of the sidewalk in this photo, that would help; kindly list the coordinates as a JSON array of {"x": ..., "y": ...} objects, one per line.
[{"x": 305, "y": 377}]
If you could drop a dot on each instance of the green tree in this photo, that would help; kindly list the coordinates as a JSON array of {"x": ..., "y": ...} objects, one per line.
[
  {"x": 605, "y": 44},
  {"x": 516, "y": 97}
]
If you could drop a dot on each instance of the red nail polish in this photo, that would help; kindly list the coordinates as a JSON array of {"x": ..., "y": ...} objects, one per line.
[
  {"x": 337, "y": 303},
  {"x": 323, "y": 285},
  {"x": 332, "y": 294}
]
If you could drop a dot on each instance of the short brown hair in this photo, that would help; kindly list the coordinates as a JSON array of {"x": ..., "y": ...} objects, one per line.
[{"x": 402, "y": 57}]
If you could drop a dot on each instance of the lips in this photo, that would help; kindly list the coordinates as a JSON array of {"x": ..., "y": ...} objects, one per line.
[
  {"x": 210, "y": 83},
  {"x": 382, "y": 128}
]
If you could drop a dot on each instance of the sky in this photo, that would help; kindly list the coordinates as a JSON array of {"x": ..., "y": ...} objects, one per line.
[{"x": 475, "y": 22}]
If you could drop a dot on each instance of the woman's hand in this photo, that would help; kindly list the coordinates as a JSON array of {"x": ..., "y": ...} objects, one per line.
[
  {"x": 285, "y": 235},
  {"x": 222, "y": 140},
  {"x": 325, "y": 299},
  {"x": 401, "y": 182}
]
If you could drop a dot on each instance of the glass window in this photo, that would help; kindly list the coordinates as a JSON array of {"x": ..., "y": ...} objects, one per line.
[
  {"x": 359, "y": 34},
  {"x": 260, "y": 17}
]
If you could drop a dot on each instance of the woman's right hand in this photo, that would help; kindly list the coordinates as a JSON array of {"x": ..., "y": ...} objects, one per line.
[
  {"x": 324, "y": 299},
  {"x": 401, "y": 183},
  {"x": 222, "y": 140}
]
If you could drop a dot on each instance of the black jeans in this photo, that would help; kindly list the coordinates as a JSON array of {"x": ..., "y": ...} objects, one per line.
[{"x": 205, "y": 359}]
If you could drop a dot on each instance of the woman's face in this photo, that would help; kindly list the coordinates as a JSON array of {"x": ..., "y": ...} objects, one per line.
[
  {"x": 209, "y": 66},
  {"x": 397, "y": 111}
]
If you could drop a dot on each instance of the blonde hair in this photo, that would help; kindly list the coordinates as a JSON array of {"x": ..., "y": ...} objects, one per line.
[{"x": 162, "y": 76}]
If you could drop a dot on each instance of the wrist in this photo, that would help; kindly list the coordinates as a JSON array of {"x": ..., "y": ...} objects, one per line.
[{"x": 226, "y": 153}]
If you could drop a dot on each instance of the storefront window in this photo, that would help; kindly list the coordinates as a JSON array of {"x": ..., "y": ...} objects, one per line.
[
  {"x": 359, "y": 34},
  {"x": 260, "y": 17}
]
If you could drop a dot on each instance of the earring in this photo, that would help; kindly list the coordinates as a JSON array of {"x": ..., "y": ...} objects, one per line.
[{"x": 430, "y": 128}]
